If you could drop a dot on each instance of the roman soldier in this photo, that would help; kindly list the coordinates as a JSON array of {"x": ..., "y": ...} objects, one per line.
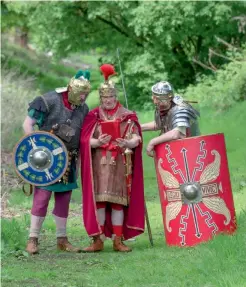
[
  {"x": 111, "y": 172},
  {"x": 62, "y": 113},
  {"x": 192, "y": 172}
]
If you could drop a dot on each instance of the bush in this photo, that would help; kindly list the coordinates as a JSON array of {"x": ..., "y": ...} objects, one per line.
[
  {"x": 227, "y": 86},
  {"x": 17, "y": 92}
]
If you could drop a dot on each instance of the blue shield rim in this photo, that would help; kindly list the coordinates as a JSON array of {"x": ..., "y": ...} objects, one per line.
[{"x": 61, "y": 144}]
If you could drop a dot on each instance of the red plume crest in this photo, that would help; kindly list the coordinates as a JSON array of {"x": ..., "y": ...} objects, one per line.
[{"x": 107, "y": 71}]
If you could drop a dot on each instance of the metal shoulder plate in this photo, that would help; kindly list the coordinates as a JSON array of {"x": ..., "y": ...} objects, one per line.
[
  {"x": 61, "y": 90},
  {"x": 182, "y": 114},
  {"x": 178, "y": 100}
]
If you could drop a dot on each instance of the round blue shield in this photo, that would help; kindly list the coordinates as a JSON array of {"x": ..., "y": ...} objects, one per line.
[{"x": 40, "y": 158}]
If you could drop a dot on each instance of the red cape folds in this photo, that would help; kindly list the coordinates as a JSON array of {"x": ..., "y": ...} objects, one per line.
[{"x": 134, "y": 214}]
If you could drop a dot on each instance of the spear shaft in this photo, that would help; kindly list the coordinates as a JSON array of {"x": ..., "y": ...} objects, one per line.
[
  {"x": 122, "y": 78},
  {"x": 145, "y": 206}
]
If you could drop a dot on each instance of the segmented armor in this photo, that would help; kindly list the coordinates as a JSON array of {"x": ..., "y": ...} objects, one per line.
[{"x": 181, "y": 114}]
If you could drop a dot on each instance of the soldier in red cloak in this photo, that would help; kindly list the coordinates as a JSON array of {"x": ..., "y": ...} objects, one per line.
[{"x": 111, "y": 171}]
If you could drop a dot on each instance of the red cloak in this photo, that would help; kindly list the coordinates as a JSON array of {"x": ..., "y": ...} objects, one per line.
[{"x": 134, "y": 213}]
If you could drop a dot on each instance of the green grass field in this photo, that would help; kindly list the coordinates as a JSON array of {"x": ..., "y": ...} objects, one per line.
[{"x": 218, "y": 263}]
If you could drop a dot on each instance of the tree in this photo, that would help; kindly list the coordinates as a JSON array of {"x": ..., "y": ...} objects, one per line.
[
  {"x": 15, "y": 16},
  {"x": 158, "y": 40}
]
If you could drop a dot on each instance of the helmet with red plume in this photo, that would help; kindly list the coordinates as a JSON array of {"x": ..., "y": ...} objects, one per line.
[{"x": 108, "y": 87}]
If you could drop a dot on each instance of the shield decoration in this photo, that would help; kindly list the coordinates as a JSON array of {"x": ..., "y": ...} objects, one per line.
[
  {"x": 40, "y": 158},
  {"x": 195, "y": 189}
]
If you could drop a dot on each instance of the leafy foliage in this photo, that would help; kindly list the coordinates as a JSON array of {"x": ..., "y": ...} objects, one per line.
[
  {"x": 224, "y": 88},
  {"x": 158, "y": 40}
]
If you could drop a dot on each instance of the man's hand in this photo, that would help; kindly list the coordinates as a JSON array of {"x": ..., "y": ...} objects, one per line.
[
  {"x": 150, "y": 149},
  {"x": 104, "y": 139},
  {"x": 123, "y": 143},
  {"x": 132, "y": 143}
]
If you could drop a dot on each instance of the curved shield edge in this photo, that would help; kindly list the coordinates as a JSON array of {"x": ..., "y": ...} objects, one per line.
[
  {"x": 40, "y": 158},
  {"x": 195, "y": 189}
]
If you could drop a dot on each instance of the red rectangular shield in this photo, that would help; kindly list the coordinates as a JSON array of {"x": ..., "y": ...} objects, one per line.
[{"x": 195, "y": 189}]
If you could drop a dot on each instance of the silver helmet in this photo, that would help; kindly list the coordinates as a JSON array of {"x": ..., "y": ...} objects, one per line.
[{"x": 162, "y": 88}]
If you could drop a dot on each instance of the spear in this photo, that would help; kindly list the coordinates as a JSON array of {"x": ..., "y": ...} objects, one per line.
[
  {"x": 145, "y": 206},
  {"x": 122, "y": 78}
]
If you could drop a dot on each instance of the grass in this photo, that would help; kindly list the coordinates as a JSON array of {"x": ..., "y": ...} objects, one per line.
[
  {"x": 49, "y": 74},
  {"x": 220, "y": 262}
]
